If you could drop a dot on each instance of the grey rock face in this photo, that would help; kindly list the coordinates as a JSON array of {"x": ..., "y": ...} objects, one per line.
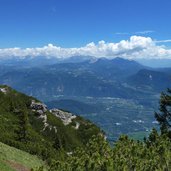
[
  {"x": 38, "y": 107},
  {"x": 41, "y": 109},
  {"x": 3, "y": 90},
  {"x": 66, "y": 117}
]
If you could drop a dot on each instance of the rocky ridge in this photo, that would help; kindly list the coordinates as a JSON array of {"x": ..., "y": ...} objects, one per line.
[
  {"x": 66, "y": 117},
  {"x": 41, "y": 109},
  {"x": 3, "y": 90}
]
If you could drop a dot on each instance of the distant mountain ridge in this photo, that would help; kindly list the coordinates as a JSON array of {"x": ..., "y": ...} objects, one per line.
[
  {"x": 155, "y": 63},
  {"x": 38, "y": 61},
  {"x": 155, "y": 80},
  {"x": 119, "y": 86},
  {"x": 101, "y": 78}
]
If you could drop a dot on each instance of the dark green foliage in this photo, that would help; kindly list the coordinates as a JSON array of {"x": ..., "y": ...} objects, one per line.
[
  {"x": 22, "y": 128},
  {"x": 127, "y": 155},
  {"x": 164, "y": 116},
  {"x": 23, "y": 125}
]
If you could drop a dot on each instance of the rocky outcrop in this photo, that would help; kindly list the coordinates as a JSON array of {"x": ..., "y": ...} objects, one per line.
[
  {"x": 66, "y": 117},
  {"x": 41, "y": 109},
  {"x": 38, "y": 107},
  {"x": 3, "y": 90},
  {"x": 77, "y": 125}
]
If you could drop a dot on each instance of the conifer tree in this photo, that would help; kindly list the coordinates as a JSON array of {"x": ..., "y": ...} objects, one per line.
[
  {"x": 23, "y": 125},
  {"x": 164, "y": 116}
]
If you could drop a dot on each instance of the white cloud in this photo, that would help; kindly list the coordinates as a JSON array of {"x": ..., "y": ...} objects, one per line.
[
  {"x": 163, "y": 41},
  {"x": 145, "y": 32},
  {"x": 136, "y": 33},
  {"x": 122, "y": 33},
  {"x": 135, "y": 47}
]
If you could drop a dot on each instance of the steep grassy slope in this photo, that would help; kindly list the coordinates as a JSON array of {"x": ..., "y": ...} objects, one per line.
[
  {"x": 12, "y": 159},
  {"x": 38, "y": 131}
]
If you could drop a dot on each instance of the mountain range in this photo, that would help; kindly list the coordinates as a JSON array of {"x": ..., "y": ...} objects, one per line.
[{"x": 109, "y": 92}]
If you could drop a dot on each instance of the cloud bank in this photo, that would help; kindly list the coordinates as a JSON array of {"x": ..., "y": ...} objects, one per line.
[{"x": 136, "y": 47}]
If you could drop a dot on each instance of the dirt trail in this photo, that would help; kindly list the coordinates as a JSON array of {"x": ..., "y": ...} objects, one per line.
[{"x": 17, "y": 166}]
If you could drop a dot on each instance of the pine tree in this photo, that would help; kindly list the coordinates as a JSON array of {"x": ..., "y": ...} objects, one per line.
[
  {"x": 23, "y": 125},
  {"x": 164, "y": 116},
  {"x": 58, "y": 142}
]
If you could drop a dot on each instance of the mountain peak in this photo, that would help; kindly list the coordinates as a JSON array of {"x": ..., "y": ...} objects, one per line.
[{"x": 123, "y": 60}]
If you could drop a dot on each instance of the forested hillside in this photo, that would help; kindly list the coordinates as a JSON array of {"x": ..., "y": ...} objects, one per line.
[
  {"x": 25, "y": 123},
  {"x": 127, "y": 155}
]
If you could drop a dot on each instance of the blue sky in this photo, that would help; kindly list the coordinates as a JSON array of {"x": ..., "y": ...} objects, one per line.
[{"x": 74, "y": 23}]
